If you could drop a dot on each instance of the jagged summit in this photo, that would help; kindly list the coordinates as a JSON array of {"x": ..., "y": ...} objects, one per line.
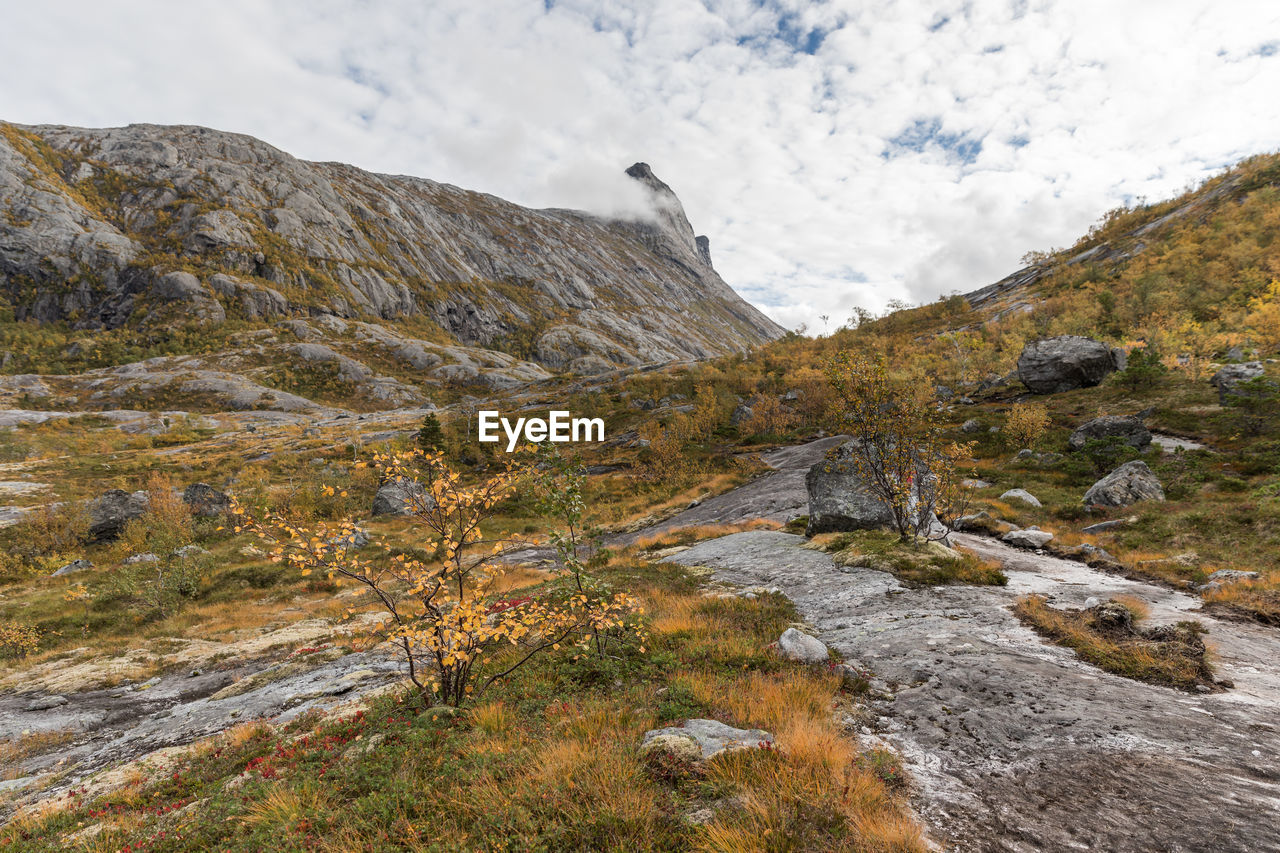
[{"x": 152, "y": 226}]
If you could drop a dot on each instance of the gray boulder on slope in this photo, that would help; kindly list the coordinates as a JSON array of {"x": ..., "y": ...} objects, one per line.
[{"x": 1064, "y": 363}]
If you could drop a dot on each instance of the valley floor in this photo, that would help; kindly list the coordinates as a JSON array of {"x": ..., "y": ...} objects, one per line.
[{"x": 1015, "y": 744}]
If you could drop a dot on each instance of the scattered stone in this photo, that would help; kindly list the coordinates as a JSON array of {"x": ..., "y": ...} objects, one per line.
[
  {"x": 971, "y": 426},
  {"x": 112, "y": 511},
  {"x": 1029, "y": 537},
  {"x": 46, "y": 703},
  {"x": 401, "y": 497},
  {"x": 1131, "y": 430},
  {"x": 145, "y": 557},
  {"x": 741, "y": 414},
  {"x": 1064, "y": 363},
  {"x": 798, "y": 646},
  {"x": 975, "y": 484},
  {"x": 1231, "y": 575},
  {"x": 187, "y": 552},
  {"x": 205, "y": 501},
  {"x": 1130, "y": 483},
  {"x": 1226, "y": 379},
  {"x": 1021, "y": 495},
  {"x": 702, "y": 739},
  {"x": 74, "y": 566}
]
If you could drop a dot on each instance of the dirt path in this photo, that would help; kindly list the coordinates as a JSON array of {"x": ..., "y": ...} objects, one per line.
[{"x": 1015, "y": 744}]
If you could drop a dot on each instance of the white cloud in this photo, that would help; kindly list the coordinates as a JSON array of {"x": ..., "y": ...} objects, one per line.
[{"x": 837, "y": 153}]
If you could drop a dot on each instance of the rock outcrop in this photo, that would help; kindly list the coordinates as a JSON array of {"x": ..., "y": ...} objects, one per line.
[
  {"x": 1064, "y": 363},
  {"x": 1130, "y": 483},
  {"x": 152, "y": 225},
  {"x": 401, "y": 497},
  {"x": 1226, "y": 379},
  {"x": 205, "y": 501},
  {"x": 112, "y": 511},
  {"x": 1133, "y": 431}
]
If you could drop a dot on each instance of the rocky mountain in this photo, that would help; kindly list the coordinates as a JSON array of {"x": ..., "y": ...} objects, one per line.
[{"x": 147, "y": 229}]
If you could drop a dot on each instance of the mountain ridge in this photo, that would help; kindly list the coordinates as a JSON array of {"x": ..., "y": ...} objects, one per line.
[{"x": 128, "y": 228}]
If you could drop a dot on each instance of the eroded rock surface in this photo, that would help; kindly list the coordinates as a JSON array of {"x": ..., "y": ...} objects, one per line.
[{"x": 1016, "y": 744}]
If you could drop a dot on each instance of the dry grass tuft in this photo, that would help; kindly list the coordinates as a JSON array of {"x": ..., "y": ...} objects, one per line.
[
  {"x": 1170, "y": 655},
  {"x": 493, "y": 718},
  {"x": 1257, "y": 599}
]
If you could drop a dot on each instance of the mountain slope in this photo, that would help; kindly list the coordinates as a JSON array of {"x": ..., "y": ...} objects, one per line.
[{"x": 151, "y": 227}]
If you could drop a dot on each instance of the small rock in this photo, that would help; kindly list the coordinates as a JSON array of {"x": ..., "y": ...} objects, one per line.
[
  {"x": 45, "y": 703},
  {"x": 703, "y": 739},
  {"x": 74, "y": 566},
  {"x": 676, "y": 744},
  {"x": 1027, "y": 538},
  {"x": 969, "y": 483},
  {"x": 1021, "y": 495},
  {"x": 971, "y": 426},
  {"x": 797, "y": 646},
  {"x": 741, "y": 414},
  {"x": 141, "y": 558}
]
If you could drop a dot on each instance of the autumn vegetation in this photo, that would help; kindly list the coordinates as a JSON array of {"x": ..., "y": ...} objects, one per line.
[{"x": 532, "y": 684}]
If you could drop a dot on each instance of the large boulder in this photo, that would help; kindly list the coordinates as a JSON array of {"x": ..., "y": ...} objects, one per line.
[
  {"x": 205, "y": 501},
  {"x": 112, "y": 511},
  {"x": 1226, "y": 379},
  {"x": 839, "y": 498},
  {"x": 1128, "y": 484},
  {"x": 401, "y": 497},
  {"x": 1064, "y": 363},
  {"x": 1131, "y": 430}
]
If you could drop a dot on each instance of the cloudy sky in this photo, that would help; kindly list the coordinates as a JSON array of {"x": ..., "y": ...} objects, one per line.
[{"x": 837, "y": 153}]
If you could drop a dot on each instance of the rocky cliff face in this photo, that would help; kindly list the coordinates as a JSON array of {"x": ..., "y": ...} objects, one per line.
[{"x": 150, "y": 226}]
